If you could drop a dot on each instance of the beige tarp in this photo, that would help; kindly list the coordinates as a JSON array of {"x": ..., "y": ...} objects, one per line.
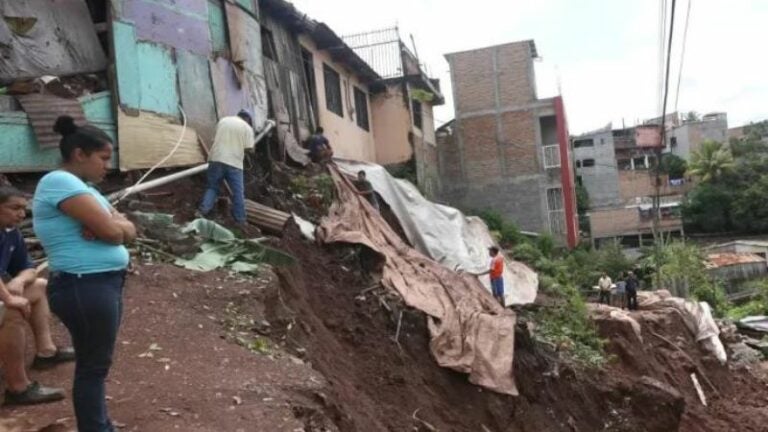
[{"x": 470, "y": 332}]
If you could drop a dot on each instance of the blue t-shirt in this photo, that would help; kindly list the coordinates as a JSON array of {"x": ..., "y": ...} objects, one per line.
[
  {"x": 316, "y": 143},
  {"x": 14, "y": 258},
  {"x": 62, "y": 236}
]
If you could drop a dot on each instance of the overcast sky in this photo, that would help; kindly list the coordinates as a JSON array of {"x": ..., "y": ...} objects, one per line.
[{"x": 604, "y": 53}]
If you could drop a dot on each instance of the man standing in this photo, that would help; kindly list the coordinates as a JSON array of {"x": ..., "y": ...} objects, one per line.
[
  {"x": 319, "y": 148},
  {"x": 632, "y": 286},
  {"x": 234, "y": 135},
  {"x": 604, "y": 285},
  {"x": 365, "y": 188},
  {"x": 23, "y": 298}
]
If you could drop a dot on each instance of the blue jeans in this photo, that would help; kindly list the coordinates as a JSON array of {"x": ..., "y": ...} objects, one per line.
[
  {"x": 217, "y": 172},
  {"x": 90, "y": 306},
  {"x": 497, "y": 285}
]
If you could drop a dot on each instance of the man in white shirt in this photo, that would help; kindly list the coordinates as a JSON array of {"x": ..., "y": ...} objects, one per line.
[
  {"x": 605, "y": 284},
  {"x": 234, "y": 135}
]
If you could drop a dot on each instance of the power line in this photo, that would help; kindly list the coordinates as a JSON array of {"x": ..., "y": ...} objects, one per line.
[
  {"x": 660, "y": 59},
  {"x": 682, "y": 53}
]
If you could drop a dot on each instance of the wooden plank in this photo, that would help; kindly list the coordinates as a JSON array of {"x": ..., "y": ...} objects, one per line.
[
  {"x": 197, "y": 94},
  {"x": 146, "y": 139},
  {"x": 127, "y": 64}
]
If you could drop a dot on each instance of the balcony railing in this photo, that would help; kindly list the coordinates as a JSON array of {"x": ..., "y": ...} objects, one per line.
[{"x": 551, "y": 156}]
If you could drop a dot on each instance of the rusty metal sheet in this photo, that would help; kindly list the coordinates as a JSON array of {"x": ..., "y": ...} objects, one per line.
[{"x": 43, "y": 110}]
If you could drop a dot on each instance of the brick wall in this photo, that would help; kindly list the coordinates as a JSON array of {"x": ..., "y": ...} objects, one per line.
[
  {"x": 520, "y": 149},
  {"x": 476, "y": 75},
  {"x": 633, "y": 184}
]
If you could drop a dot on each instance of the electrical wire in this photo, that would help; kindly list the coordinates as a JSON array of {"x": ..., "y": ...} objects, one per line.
[
  {"x": 682, "y": 53},
  {"x": 162, "y": 161}
]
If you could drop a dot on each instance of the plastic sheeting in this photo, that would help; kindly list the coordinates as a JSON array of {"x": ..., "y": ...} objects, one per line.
[
  {"x": 470, "y": 332},
  {"x": 44, "y": 37},
  {"x": 444, "y": 233},
  {"x": 696, "y": 315}
]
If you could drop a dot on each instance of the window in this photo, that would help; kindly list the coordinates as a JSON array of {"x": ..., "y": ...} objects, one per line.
[
  {"x": 416, "y": 109},
  {"x": 587, "y": 163},
  {"x": 268, "y": 44},
  {"x": 361, "y": 109},
  {"x": 624, "y": 164},
  {"x": 551, "y": 156},
  {"x": 309, "y": 73},
  {"x": 578, "y": 164},
  {"x": 556, "y": 212},
  {"x": 673, "y": 142},
  {"x": 332, "y": 91},
  {"x": 584, "y": 143},
  {"x": 639, "y": 162}
]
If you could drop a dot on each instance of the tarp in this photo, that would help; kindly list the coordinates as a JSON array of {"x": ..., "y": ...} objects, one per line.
[
  {"x": 44, "y": 37},
  {"x": 470, "y": 332},
  {"x": 444, "y": 233},
  {"x": 696, "y": 315},
  {"x": 755, "y": 323}
]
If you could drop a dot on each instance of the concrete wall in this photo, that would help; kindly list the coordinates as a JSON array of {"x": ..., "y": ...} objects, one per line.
[
  {"x": 689, "y": 136},
  {"x": 626, "y": 221},
  {"x": 601, "y": 180},
  {"x": 348, "y": 140}
]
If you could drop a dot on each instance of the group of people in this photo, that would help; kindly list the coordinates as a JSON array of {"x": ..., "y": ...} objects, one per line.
[
  {"x": 622, "y": 293},
  {"x": 84, "y": 238}
]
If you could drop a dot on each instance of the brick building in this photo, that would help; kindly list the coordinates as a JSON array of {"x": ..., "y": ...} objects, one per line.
[{"x": 507, "y": 150}]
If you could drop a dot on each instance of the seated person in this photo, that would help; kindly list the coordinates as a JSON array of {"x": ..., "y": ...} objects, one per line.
[
  {"x": 319, "y": 148},
  {"x": 23, "y": 300}
]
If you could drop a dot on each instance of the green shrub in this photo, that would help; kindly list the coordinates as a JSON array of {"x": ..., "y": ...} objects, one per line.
[{"x": 527, "y": 253}]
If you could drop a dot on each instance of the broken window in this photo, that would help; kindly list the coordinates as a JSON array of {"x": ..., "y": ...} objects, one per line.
[
  {"x": 361, "y": 109},
  {"x": 332, "y": 91},
  {"x": 417, "y": 115},
  {"x": 268, "y": 47},
  {"x": 584, "y": 143},
  {"x": 587, "y": 163},
  {"x": 308, "y": 62}
]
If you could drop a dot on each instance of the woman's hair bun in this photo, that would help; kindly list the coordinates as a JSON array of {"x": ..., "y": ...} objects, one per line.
[{"x": 65, "y": 125}]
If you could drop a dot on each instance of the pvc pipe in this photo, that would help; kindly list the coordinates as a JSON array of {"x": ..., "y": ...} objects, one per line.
[{"x": 178, "y": 175}]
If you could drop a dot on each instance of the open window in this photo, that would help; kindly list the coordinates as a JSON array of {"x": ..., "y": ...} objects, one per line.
[
  {"x": 268, "y": 47},
  {"x": 418, "y": 120}
]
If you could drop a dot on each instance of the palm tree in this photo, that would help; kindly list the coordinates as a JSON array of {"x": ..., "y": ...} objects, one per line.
[{"x": 711, "y": 161}]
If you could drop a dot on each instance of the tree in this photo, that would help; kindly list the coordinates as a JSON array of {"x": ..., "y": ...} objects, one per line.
[
  {"x": 711, "y": 161},
  {"x": 708, "y": 209},
  {"x": 674, "y": 166},
  {"x": 692, "y": 116},
  {"x": 750, "y": 207}
]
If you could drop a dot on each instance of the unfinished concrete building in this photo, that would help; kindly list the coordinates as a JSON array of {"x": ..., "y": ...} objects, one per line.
[{"x": 507, "y": 150}]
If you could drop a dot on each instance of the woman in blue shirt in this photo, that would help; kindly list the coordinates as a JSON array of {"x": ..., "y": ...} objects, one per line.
[{"x": 84, "y": 239}]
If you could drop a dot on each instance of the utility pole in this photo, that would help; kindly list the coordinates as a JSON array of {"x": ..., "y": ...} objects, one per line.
[{"x": 658, "y": 238}]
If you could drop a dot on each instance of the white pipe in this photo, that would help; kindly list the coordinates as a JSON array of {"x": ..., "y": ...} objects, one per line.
[{"x": 178, "y": 175}]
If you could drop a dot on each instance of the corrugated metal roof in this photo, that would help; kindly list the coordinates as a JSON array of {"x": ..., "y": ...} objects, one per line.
[
  {"x": 718, "y": 260},
  {"x": 44, "y": 109}
]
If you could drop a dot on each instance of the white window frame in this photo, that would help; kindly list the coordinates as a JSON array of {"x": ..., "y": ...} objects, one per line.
[
  {"x": 548, "y": 153},
  {"x": 556, "y": 216}
]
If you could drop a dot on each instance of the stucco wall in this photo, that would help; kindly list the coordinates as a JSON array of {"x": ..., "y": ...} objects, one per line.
[
  {"x": 348, "y": 140},
  {"x": 391, "y": 124}
]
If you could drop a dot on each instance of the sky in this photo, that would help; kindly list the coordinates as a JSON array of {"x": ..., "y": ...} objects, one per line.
[{"x": 601, "y": 55}]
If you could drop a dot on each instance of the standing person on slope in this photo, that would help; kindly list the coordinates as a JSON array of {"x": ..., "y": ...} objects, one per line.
[
  {"x": 496, "y": 272},
  {"x": 234, "y": 135},
  {"x": 84, "y": 239}
]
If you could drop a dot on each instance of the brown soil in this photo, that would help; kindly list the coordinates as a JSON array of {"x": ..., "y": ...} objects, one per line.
[{"x": 195, "y": 379}]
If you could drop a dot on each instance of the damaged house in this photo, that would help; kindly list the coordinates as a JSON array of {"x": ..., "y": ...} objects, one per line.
[{"x": 141, "y": 70}]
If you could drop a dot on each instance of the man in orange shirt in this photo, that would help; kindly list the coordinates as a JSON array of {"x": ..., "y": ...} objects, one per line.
[{"x": 496, "y": 270}]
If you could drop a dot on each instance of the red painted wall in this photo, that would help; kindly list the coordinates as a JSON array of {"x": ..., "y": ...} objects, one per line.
[{"x": 566, "y": 175}]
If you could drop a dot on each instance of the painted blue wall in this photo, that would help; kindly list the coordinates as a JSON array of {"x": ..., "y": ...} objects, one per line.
[{"x": 18, "y": 147}]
